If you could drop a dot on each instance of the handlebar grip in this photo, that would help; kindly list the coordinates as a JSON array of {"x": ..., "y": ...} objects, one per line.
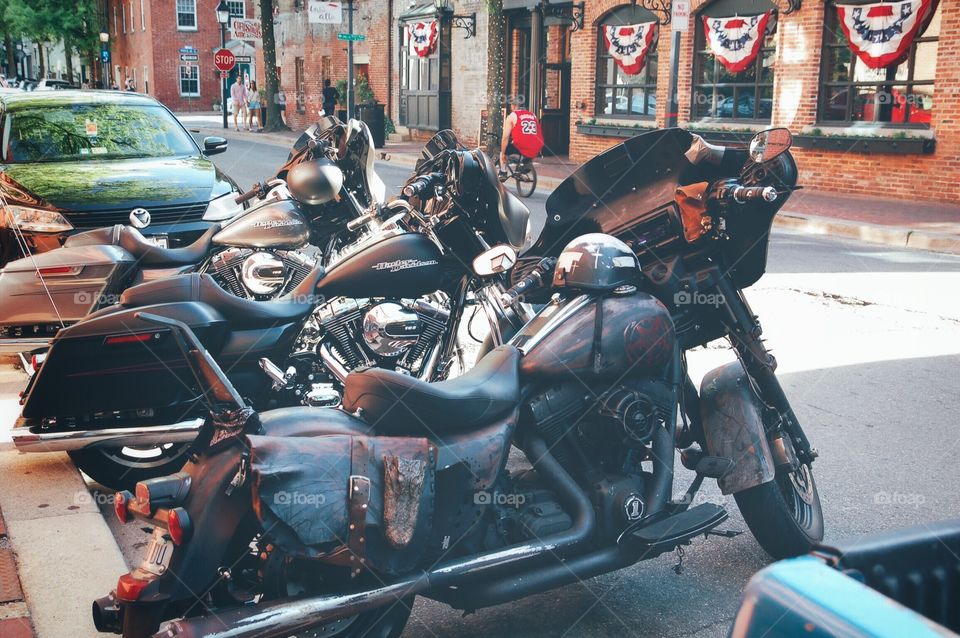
[
  {"x": 533, "y": 279},
  {"x": 423, "y": 185},
  {"x": 250, "y": 194},
  {"x": 744, "y": 194}
]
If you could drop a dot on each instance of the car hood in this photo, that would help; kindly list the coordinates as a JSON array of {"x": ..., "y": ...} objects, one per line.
[{"x": 98, "y": 185}]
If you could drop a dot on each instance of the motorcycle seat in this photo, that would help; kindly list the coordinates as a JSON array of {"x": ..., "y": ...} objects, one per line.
[
  {"x": 145, "y": 252},
  {"x": 237, "y": 310},
  {"x": 394, "y": 403},
  {"x": 305, "y": 421}
]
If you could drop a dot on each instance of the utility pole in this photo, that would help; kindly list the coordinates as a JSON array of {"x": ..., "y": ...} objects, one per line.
[{"x": 350, "y": 95}]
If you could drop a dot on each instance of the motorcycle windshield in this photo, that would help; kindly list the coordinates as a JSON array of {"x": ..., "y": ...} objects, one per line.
[
  {"x": 445, "y": 140},
  {"x": 612, "y": 190}
]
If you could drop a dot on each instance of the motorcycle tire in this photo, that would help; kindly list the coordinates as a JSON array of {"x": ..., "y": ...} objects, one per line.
[
  {"x": 119, "y": 470},
  {"x": 784, "y": 515}
]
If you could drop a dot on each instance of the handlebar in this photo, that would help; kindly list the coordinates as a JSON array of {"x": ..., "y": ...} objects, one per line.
[
  {"x": 534, "y": 279},
  {"x": 424, "y": 186},
  {"x": 257, "y": 190},
  {"x": 743, "y": 194}
]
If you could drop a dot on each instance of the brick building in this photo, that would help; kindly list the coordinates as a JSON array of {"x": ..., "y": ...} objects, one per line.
[{"x": 166, "y": 48}]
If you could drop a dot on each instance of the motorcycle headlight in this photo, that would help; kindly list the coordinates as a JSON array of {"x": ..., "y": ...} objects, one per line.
[
  {"x": 35, "y": 220},
  {"x": 222, "y": 208}
]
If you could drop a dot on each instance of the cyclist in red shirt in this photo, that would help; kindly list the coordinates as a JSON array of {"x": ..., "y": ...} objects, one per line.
[{"x": 522, "y": 135}]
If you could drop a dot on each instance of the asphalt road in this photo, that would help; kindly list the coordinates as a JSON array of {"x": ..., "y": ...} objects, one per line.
[{"x": 868, "y": 340}]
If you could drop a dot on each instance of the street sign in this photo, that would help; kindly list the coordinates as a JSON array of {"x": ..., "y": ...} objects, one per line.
[
  {"x": 244, "y": 59},
  {"x": 105, "y": 55},
  {"x": 246, "y": 29},
  {"x": 351, "y": 37},
  {"x": 681, "y": 15},
  {"x": 224, "y": 60},
  {"x": 188, "y": 49},
  {"x": 189, "y": 57},
  {"x": 325, "y": 12}
]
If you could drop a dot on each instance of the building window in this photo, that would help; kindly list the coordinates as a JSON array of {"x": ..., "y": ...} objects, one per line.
[
  {"x": 299, "y": 85},
  {"x": 190, "y": 81},
  {"x": 133, "y": 17},
  {"x": 899, "y": 95},
  {"x": 143, "y": 18},
  {"x": 720, "y": 94},
  {"x": 146, "y": 81},
  {"x": 618, "y": 93},
  {"x": 123, "y": 17},
  {"x": 187, "y": 15},
  {"x": 238, "y": 8},
  {"x": 115, "y": 31}
]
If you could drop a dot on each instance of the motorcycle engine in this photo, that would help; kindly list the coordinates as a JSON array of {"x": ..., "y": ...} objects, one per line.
[
  {"x": 390, "y": 333},
  {"x": 262, "y": 273}
]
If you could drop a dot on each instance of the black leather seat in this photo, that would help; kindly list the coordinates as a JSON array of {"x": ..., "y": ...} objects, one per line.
[
  {"x": 513, "y": 214},
  {"x": 237, "y": 310},
  {"x": 306, "y": 421},
  {"x": 148, "y": 254},
  {"x": 395, "y": 403}
]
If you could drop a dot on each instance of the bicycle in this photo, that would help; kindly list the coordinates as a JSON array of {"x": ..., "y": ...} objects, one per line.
[{"x": 522, "y": 170}]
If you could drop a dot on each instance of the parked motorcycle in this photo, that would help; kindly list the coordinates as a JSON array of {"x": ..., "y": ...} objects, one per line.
[
  {"x": 331, "y": 521},
  {"x": 115, "y": 393},
  {"x": 263, "y": 252}
]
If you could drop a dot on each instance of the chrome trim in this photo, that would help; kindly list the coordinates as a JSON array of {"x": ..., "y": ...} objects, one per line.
[
  {"x": 562, "y": 314},
  {"x": 333, "y": 364},
  {"x": 30, "y": 440},
  {"x": 16, "y": 345}
]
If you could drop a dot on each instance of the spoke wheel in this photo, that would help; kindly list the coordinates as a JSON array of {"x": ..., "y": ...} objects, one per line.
[
  {"x": 526, "y": 178},
  {"x": 122, "y": 468}
]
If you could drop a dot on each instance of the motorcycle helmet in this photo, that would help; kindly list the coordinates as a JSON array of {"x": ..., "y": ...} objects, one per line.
[
  {"x": 315, "y": 182},
  {"x": 598, "y": 263}
]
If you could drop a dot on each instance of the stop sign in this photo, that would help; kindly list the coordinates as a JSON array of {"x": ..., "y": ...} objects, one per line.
[{"x": 224, "y": 60}]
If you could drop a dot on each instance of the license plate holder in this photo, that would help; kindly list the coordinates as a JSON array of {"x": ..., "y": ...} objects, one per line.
[
  {"x": 156, "y": 560},
  {"x": 160, "y": 241}
]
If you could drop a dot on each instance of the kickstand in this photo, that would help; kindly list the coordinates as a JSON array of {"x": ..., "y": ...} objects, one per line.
[
  {"x": 725, "y": 533},
  {"x": 678, "y": 568}
]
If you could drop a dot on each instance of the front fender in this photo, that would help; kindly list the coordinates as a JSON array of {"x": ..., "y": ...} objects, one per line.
[{"x": 733, "y": 427}]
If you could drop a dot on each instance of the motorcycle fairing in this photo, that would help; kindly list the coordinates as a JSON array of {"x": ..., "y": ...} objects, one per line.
[
  {"x": 306, "y": 492},
  {"x": 734, "y": 429}
]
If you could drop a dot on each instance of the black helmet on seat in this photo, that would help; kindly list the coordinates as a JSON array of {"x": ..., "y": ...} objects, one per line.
[{"x": 597, "y": 262}]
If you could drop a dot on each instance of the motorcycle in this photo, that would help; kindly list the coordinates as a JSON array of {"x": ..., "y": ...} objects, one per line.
[
  {"x": 262, "y": 252},
  {"x": 115, "y": 394},
  {"x": 331, "y": 521}
]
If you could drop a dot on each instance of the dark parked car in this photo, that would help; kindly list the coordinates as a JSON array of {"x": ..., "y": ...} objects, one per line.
[{"x": 75, "y": 160}]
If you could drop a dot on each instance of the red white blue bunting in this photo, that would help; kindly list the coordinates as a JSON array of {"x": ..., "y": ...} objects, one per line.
[
  {"x": 736, "y": 40},
  {"x": 881, "y": 33},
  {"x": 423, "y": 37},
  {"x": 629, "y": 44}
]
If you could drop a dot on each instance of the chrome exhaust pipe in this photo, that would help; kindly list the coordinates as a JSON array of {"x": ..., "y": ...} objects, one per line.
[
  {"x": 17, "y": 345},
  {"x": 32, "y": 439},
  {"x": 287, "y": 618}
]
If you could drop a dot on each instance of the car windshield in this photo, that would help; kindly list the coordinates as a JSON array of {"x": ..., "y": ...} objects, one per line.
[{"x": 71, "y": 132}]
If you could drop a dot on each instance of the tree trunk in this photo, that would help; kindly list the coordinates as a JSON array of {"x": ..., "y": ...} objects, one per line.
[
  {"x": 68, "y": 54},
  {"x": 11, "y": 57},
  {"x": 42, "y": 72},
  {"x": 274, "y": 121},
  {"x": 496, "y": 72}
]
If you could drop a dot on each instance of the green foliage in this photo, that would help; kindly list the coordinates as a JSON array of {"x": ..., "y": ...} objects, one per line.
[
  {"x": 363, "y": 91},
  {"x": 388, "y": 127},
  {"x": 74, "y": 21}
]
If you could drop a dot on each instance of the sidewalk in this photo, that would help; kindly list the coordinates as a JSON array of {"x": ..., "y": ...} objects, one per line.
[{"x": 899, "y": 223}]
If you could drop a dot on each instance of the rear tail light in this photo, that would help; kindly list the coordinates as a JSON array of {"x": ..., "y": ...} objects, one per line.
[
  {"x": 129, "y": 588},
  {"x": 58, "y": 270},
  {"x": 178, "y": 525},
  {"x": 121, "y": 500},
  {"x": 36, "y": 361},
  {"x": 143, "y": 337}
]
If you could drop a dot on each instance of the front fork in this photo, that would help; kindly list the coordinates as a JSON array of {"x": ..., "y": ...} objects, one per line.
[{"x": 745, "y": 334}]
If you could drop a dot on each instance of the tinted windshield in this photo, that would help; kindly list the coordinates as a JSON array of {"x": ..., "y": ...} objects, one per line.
[{"x": 71, "y": 132}]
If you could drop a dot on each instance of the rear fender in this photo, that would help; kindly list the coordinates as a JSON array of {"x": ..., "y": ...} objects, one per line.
[{"x": 733, "y": 427}]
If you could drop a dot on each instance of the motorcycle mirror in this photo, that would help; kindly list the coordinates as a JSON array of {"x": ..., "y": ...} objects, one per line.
[
  {"x": 495, "y": 260},
  {"x": 770, "y": 144}
]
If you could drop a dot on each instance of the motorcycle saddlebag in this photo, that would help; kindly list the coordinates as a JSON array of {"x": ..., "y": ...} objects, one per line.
[
  {"x": 79, "y": 280},
  {"x": 347, "y": 499}
]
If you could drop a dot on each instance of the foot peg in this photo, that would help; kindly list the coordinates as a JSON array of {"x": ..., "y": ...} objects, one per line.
[
  {"x": 663, "y": 535},
  {"x": 280, "y": 378}
]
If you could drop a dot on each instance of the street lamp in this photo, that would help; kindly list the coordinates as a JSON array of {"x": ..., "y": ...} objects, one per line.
[
  {"x": 104, "y": 56},
  {"x": 223, "y": 17}
]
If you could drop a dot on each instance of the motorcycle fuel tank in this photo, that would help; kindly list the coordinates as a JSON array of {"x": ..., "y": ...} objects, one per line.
[
  {"x": 407, "y": 265},
  {"x": 273, "y": 224},
  {"x": 636, "y": 338}
]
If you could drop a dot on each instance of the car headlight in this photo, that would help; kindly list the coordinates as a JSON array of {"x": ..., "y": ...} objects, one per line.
[
  {"x": 35, "y": 220},
  {"x": 222, "y": 208}
]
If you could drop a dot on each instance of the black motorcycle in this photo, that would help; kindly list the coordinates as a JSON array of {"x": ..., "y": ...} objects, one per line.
[
  {"x": 264, "y": 252},
  {"x": 117, "y": 395},
  {"x": 331, "y": 521}
]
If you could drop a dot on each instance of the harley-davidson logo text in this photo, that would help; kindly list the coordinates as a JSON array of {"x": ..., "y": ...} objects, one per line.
[
  {"x": 404, "y": 264},
  {"x": 277, "y": 223}
]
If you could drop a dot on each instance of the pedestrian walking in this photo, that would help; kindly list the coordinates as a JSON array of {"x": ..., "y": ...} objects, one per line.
[
  {"x": 253, "y": 105},
  {"x": 238, "y": 95},
  {"x": 330, "y": 98}
]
